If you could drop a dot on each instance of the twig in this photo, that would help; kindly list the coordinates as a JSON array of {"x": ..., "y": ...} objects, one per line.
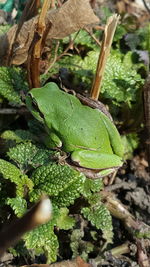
[
  {"x": 112, "y": 178},
  {"x": 104, "y": 53},
  {"x": 54, "y": 59},
  {"x": 57, "y": 58},
  {"x": 8, "y": 111},
  {"x": 125, "y": 248},
  {"x": 92, "y": 35},
  {"x": 122, "y": 249},
  {"x": 146, "y": 6},
  {"x": 36, "y": 48},
  {"x": 118, "y": 210},
  {"x": 143, "y": 259}
]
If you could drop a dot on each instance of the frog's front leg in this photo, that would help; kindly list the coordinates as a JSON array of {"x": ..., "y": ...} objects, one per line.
[
  {"x": 53, "y": 141},
  {"x": 95, "y": 159}
]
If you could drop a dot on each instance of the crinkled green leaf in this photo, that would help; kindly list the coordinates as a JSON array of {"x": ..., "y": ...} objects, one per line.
[
  {"x": 71, "y": 193},
  {"x": 78, "y": 246},
  {"x": 100, "y": 217},
  {"x": 11, "y": 172},
  {"x": 53, "y": 178},
  {"x": 90, "y": 186},
  {"x": 43, "y": 237},
  {"x": 27, "y": 154},
  {"x": 76, "y": 238},
  {"x": 11, "y": 83},
  {"x": 120, "y": 83},
  {"x": 120, "y": 31},
  {"x": 18, "y": 204},
  {"x": 64, "y": 221}
]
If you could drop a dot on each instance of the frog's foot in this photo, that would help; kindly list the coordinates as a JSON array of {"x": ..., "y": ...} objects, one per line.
[
  {"x": 96, "y": 160},
  {"x": 92, "y": 173}
]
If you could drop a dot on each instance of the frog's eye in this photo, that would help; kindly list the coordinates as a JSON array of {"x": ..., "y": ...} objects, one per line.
[
  {"x": 36, "y": 108},
  {"x": 34, "y": 105}
]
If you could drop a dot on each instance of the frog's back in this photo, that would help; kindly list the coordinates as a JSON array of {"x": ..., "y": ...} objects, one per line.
[{"x": 76, "y": 125}]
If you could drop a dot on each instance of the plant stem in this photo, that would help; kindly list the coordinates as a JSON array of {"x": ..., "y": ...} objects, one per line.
[{"x": 104, "y": 53}]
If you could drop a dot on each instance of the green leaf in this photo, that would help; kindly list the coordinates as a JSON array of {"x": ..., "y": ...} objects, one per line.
[
  {"x": 11, "y": 83},
  {"x": 27, "y": 154},
  {"x": 100, "y": 217},
  {"x": 43, "y": 238},
  {"x": 120, "y": 83},
  {"x": 53, "y": 178},
  {"x": 90, "y": 186},
  {"x": 120, "y": 32},
  {"x": 11, "y": 172},
  {"x": 64, "y": 221},
  {"x": 71, "y": 193},
  {"x": 80, "y": 247},
  {"x": 18, "y": 204}
]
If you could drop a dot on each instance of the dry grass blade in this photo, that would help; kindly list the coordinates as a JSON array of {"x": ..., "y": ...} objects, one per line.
[{"x": 104, "y": 53}]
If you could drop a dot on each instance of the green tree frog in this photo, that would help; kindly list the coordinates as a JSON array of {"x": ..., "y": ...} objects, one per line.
[{"x": 87, "y": 134}]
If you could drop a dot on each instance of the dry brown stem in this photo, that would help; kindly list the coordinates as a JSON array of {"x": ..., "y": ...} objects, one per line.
[
  {"x": 104, "y": 53},
  {"x": 118, "y": 210},
  {"x": 36, "y": 48}
]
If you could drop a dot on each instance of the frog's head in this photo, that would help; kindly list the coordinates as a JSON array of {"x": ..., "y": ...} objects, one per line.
[
  {"x": 40, "y": 101},
  {"x": 32, "y": 105}
]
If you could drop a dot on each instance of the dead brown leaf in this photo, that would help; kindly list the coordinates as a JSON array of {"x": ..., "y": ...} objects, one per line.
[{"x": 70, "y": 17}]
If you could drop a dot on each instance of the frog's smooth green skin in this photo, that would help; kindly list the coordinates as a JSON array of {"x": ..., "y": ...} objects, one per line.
[{"x": 87, "y": 134}]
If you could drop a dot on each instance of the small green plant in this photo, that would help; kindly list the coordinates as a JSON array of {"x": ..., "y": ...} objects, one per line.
[{"x": 34, "y": 173}]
